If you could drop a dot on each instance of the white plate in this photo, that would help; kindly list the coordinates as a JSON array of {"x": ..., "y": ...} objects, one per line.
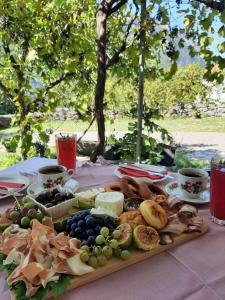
[
  {"x": 36, "y": 188},
  {"x": 147, "y": 168},
  {"x": 173, "y": 190},
  {"x": 14, "y": 179}
]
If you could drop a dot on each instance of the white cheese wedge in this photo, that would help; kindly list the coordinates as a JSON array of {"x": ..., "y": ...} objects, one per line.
[
  {"x": 86, "y": 199},
  {"x": 102, "y": 211},
  {"x": 110, "y": 201}
]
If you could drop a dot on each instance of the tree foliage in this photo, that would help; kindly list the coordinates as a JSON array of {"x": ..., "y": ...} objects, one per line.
[
  {"x": 185, "y": 87},
  {"x": 41, "y": 53},
  {"x": 47, "y": 51}
]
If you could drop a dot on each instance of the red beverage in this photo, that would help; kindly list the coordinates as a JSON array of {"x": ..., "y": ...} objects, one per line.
[
  {"x": 217, "y": 190},
  {"x": 66, "y": 150}
]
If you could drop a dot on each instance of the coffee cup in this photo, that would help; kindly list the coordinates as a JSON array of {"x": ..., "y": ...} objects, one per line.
[
  {"x": 50, "y": 176},
  {"x": 192, "y": 182}
]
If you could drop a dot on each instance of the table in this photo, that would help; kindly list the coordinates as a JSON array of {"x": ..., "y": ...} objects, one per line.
[{"x": 192, "y": 271}]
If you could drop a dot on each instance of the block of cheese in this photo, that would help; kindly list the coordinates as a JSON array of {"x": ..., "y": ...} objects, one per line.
[
  {"x": 86, "y": 199},
  {"x": 110, "y": 201},
  {"x": 103, "y": 211}
]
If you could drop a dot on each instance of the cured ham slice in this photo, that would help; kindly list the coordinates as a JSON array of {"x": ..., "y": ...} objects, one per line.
[{"x": 41, "y": 255}]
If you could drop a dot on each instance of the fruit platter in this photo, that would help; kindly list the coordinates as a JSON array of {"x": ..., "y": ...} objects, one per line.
[{"x": 57, "y": 240}]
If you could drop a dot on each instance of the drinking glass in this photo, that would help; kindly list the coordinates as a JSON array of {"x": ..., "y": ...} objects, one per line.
[
  {"x": 66, "y": 150},
  {"x": 217, "y": 189}
]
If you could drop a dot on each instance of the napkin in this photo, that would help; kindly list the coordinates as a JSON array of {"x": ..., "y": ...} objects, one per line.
[
  {"x": 140, "y": 174},
  {"x": 4, "y": 184}
]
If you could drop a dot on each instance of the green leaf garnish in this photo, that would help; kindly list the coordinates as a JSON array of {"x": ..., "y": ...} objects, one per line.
[
  {"x": 19, "y": 290},
  {"x": 60, "y": 287}
]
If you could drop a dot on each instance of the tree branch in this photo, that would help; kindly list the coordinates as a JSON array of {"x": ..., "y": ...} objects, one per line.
[
  {"x": 115, "y": 58},
  {"x": 5, "y": 90},
  {"x": 59, "y": 80},
  {"x": 86, "y": 130},
  {"x": 216, "y": 5},
  {"x": 116, "y": 7},
  {"x": 14, "y": 64}
]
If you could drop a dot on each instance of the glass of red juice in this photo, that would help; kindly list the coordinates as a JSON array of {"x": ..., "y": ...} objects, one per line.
[
  {"x": 217, "y": 189},
  {"x": 66, "y": 150}
]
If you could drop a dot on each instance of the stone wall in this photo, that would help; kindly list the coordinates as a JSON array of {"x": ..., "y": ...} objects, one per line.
[
  {"x": 62, "y": 113},
  {"x": 213, "y": 106},
  {"x": 214, "y": 109}
]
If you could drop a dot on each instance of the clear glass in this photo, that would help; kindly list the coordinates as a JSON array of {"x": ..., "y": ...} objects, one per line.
[
  {"x": 66, "y": 150},
  {"x": 217, "y": 189}
]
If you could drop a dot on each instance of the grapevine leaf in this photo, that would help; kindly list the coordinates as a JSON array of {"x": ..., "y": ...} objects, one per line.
[
  {"x": 40, "y": 294},
  {"x": 58, "y": 288},
  {"x": 19, "y": 290}
]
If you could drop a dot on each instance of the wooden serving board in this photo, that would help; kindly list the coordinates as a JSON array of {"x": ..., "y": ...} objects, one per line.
[{"x": 116, "y": 264}]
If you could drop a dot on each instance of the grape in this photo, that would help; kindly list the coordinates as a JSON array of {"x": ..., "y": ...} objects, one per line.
[
  {"x": 91, "y": 240},
  {"x": 93, "y": 262},
  {"x": 73, "y": 226},
  {"x": 113, "y": 243},
  {"x": 39, "y": 216},
  {"x": 58, "y": 197},
  {"x": 117, "y": 252},
  {"x": 86, "y": 213},
  {"x": 116, "y": 234},
  {"x": 107, "y": 251},
  {"x": 84, "y": 256},
  {"x": 90, "y": 221},
  {"x": 14, "y": 215},
  {"x": 102, "y": 260},
  {"x": 104, "y": 231},
  {"x": 75, "y": 218},
  {"x": 97, "y": 229},
  {"x": 69, "y": 221},
  {"x": 25, "y": 200},
  {"x": 77, "y": 231},
  {"x": 85, "y": 248},
  {"x": 100, "y": 240},
  {"x": 24, "y": 211},
  {"x": 32, "y": 213},
  {"x": 28, "y": 205},
  {"x": 97, "y": 250},
  {"x": 72, "y": 234},
  {"x": 81, "y": 223},
  {"x": 84, "y": 236},
  {"x": 81, "y": 216},
  {"x": 125, "y": 254},
  {"x": 25, "y": 221},
  {"x": 90, "y": 232},
  {"x": 85, "y": 243}
]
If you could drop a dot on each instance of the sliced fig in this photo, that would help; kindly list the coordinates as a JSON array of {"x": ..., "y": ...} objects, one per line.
[
  {"x": 125, "y": 238},
  {"x": 145, "y": 237}
]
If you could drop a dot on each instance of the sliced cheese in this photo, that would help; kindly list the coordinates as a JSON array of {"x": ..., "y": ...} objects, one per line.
[
  {"x": 86, "y": 199},
  {"x": 110, "y": 201},
  {"x": 102, "y": 211}
]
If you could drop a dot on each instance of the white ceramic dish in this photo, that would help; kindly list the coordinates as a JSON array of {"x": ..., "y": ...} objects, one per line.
[
  {"x": 145, "y": 167},
  {"x": 13, "y": 178},
  {"x": 173, "y": 190},
  {"x": 58, "y": 210}
]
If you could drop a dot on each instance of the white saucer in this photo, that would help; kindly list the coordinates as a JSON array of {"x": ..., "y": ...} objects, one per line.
[
  {"x": 13, "y": 178},
  {"x": 173, "y": 190},
  {"x": 147, "y": 168},
  {"x": 36, "y": 188}
]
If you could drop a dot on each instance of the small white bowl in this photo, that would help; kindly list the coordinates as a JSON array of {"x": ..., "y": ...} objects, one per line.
[{"x": 56, "y": 211}]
